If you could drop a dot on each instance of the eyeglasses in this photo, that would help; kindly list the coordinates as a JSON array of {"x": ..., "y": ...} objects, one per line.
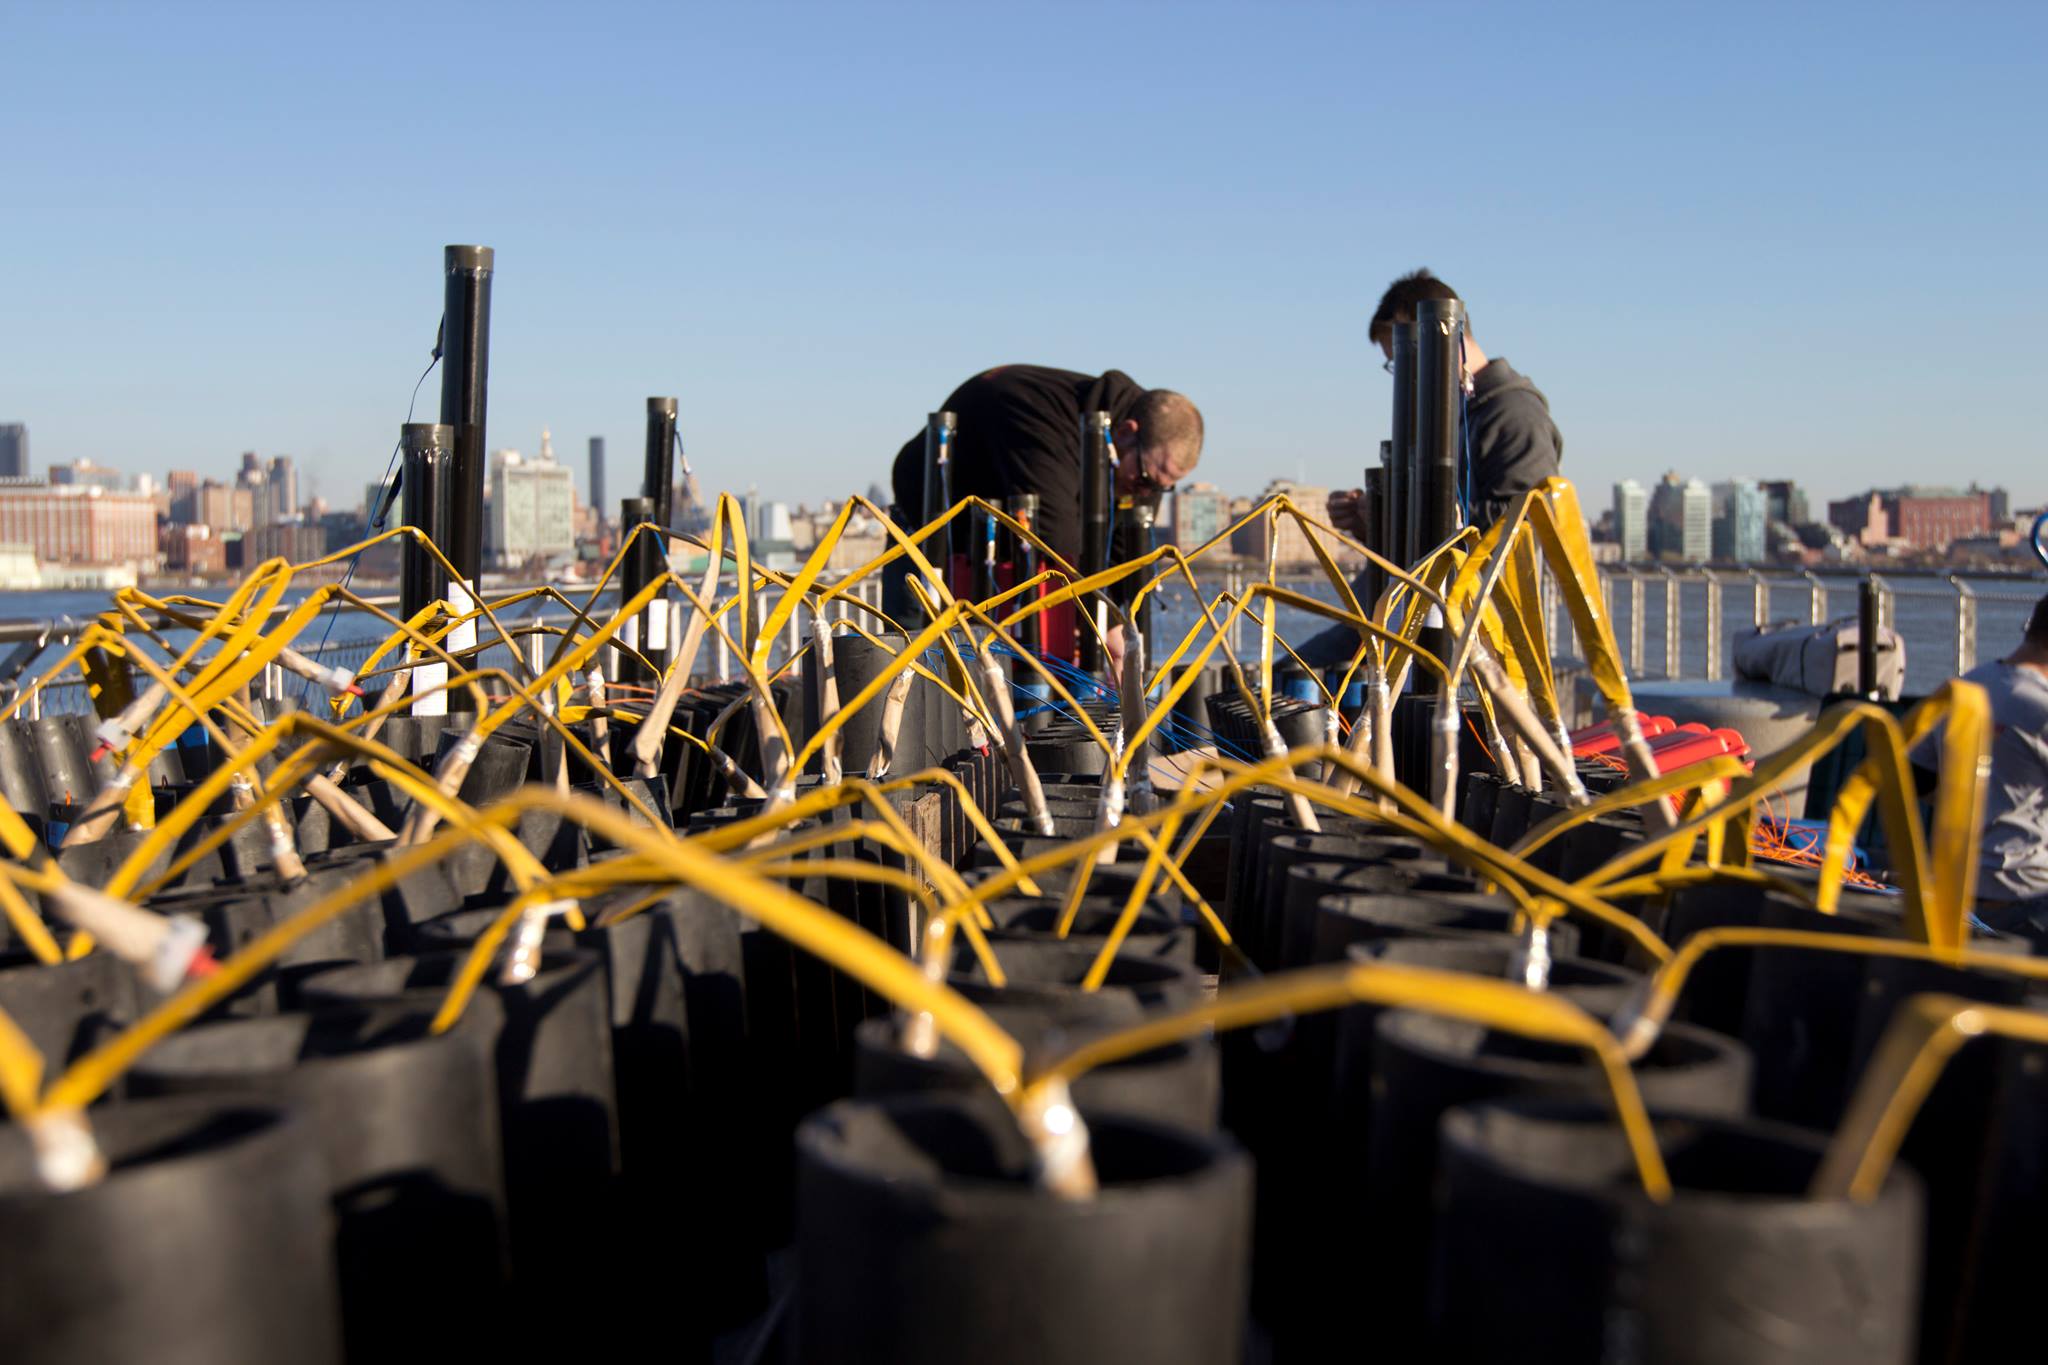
[
  {"x": 1146, "y": 484},
  {"x": 1388, "y": 365}
]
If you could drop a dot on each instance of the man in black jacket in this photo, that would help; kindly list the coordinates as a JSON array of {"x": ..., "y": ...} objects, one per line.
[
  {"x": 1020, "y": 432},
  {"x": 1515, "y": 446}
]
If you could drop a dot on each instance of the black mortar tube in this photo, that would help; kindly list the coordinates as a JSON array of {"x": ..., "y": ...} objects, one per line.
[
  {"x": 1023, "y": 509},
  {"x": 1401, "y": 482},
  {"x": 658, "y": 483},
  {"x": 939, "y": 429},
  {"x": 427, "y": 455},
  {"x": 658, "y": 487},
  {"x": 1439, "y": 330},
  {"x": 1868, "y": 602},
  {"x": 983, "y": 553},
  {"x": 639, "y": 569},
  {"x": 465, "y": 387},
  {"x": 1137, "y": 521},
  {"x": 1439, "y": 333},
  {"x": 1372, "y": 514},
  {"x": 1097, "y": 504}
]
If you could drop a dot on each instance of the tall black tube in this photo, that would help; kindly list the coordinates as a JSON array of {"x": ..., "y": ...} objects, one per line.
[
  {"x": 465, "y": 387},
  {"x": 1868, "y": 619},
  {"x": 1024, "y": 566},
  {"x": 939, "y": 429},
  {"x": 1097, "y": 505},
  {"x": 983, "y": 552},
  {"x": 658, "y": 488},
  {"x": 658, "y": 482},
  {"x": 1439, "y": 331},
  {"x": 1439, "y": 334},
  {"x": 1401, "y": 502},
  {"x": 1372, "y": 514},
  {"x": 426, "y": 477},
  {"x": 465, "y": 397},
  {"x": 638, "y": 570},
  {"x": 1136, "y": 522},
  {"x": 427, "y": 455}
]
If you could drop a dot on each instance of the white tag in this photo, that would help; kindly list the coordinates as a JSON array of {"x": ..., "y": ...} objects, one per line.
[
  {"x": 463, "y": 636},
  {"x": 430, "y": 697}
]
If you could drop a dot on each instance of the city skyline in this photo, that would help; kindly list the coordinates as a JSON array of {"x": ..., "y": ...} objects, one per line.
[
  {"x": 1592, "y": 497},
  {"x": 1710, "y": 252}
]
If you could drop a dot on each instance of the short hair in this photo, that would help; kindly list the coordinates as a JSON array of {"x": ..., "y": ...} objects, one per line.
[
  {"x": 1403, "y": 295},
  {"x": 1168, "y": 421},
  {"x": 2037, "y": 624}
]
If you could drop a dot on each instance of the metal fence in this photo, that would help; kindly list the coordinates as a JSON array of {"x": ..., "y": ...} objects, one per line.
[{"x": 1682, "y": 622}]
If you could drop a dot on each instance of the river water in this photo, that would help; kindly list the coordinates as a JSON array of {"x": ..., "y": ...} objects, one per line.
[{"x": 1924, "y": 614}]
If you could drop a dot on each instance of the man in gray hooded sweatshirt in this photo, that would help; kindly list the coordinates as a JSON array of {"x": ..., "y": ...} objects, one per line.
[{"x": 1515, "y": 446}]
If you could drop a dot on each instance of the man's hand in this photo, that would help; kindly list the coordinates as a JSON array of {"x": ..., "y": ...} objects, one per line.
[
  {"x": 1344, "y": 514},
  {"x": 1113, "y": 653}
]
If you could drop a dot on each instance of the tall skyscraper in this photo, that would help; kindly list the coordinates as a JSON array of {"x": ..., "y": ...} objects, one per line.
[
  {"x": 13, "y": 450},
  {"x": 283, "y": 489},
  {"x": 597, "y": 500},
  {"x": 250, "y": 479},
  {"x": 1632, "y": 519},
  {"x": 1740, "y": 516},
  {"x": 1785, "y": 501},
  {"x": 1682, "y": 520}
]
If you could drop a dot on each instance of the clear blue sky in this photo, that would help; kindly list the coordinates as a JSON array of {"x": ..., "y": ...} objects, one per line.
[{"x": 1776, "y": 240}]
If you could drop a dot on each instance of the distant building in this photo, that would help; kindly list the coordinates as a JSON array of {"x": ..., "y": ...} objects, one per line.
[
  {"x": 1929, "y": 518},
  {"x": 750, "y": 509},
  {"x": 597, "y": 477},
  {"x": 1785, "y": 501},
  {"x": 81, "y": 524},
  {"x": 1862, "y": 519},
  {"x": 1632, "y": 519},
  {"x": 774, "y": 525},
  {"x": 1740, "y": 521},
  {"x": 1200, "y": 512},
  {"x": 86, "y": 474},
  {"x": 1681, "y": 520},
  {"x": 282, "y": 485},
  {"x": 1281, "y": 538},
  {"x": 224, "y": 507},
  {"x": 13, "y": 450},
  {"x": 193, "y": 549},
  {"x": 293, "y": 541},
  {"x": 533, "y": 507}
]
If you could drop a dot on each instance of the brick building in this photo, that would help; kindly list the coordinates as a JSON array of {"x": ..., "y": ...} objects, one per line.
[
  {"x": 193, "y": 549},
  {"x": 79, "y": 524},
  {"x": 1930, "y": 518}
]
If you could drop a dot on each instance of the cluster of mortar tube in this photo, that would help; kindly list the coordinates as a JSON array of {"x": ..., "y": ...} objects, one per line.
[{"x": 1443, "y": 596}]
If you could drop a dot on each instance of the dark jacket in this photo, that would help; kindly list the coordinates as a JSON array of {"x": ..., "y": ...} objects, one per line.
[
  {"x": 1020, "y": 432},
  {"x": 1515, "y": 447}
]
